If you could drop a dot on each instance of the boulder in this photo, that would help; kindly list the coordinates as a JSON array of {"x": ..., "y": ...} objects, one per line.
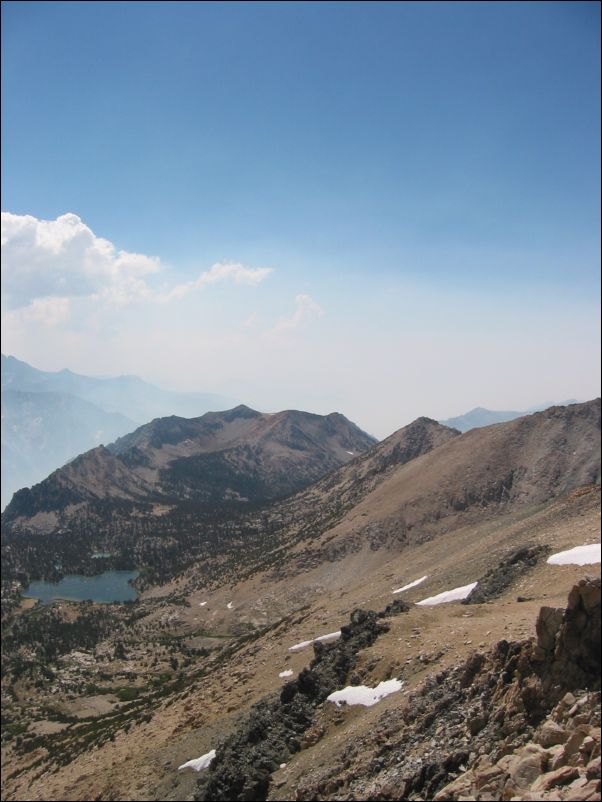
[
  {"x": 551, "y": 734},
  {"x": 562, "y": 776}
]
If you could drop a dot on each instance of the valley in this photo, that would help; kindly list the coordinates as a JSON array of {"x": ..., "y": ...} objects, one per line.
[
  {"x": 301, "y": 418},
  {"x": 107, "y": 700}
]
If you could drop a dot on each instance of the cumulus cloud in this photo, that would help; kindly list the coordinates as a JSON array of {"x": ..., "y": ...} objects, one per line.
[
  {"x": 305, "y": 309},
  {"x": 48, "y": 311},
  {"x": 47, "y": 262},
  {"x": 64, "y": 258}
]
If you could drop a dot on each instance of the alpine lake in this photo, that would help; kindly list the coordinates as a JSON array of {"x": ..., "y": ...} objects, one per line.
[{"x": 111, "y": 586}]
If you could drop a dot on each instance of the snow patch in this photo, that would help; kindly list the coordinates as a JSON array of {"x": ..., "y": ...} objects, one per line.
[
  {"x": 580, "y": 555},
  {"x": 229, "y": 605},
  {"x": 330, "y": 636},
  {"x": 287, "y": 673},
  {"x": 411, "y": 584},
  {"x": 449, "y": 595},
  {"x": 349, "y": 452},
  {"x": 362, "y": 695},
  {"x": 199, "y": 763},
  {"x": 202, "y": 604}
]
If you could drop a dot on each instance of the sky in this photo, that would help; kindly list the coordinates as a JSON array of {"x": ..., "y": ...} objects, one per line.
[{"x": 383, "y": 209}]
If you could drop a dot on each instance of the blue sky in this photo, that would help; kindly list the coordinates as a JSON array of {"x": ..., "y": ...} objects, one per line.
[{"x": 424, "y": 177}]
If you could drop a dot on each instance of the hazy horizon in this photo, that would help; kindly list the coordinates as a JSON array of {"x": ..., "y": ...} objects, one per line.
[
  {"x": 386, "y": 210},
  {"x": 235, "y": 402}
]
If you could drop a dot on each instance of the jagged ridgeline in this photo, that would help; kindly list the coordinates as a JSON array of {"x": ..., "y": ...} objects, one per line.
[{"x": 215, "y": 491}]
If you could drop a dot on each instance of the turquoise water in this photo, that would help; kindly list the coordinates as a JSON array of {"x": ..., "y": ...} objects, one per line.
[{"x": 112, "y": 586}]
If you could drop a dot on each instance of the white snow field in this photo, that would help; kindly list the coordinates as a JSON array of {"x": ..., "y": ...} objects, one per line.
[
  {"x": 411, "y": 584},
  {"x": 580, "y": 555},
  {"x": 287, "y": 673},
  {"x": 199, "y": 763},
  {"x": 455, "y": 594},
  {"x": 330, "y": 636},
  {"x": 362, "y": 695}
]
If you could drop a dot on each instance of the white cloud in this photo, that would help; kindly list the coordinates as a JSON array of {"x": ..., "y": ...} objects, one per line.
[
  {"x": 306, "y": 309},
  {"x": 48, "y": 311},
  {"x": 47, "y": 261},
  {"x": 220, "y": 271},
  {"x": 64, "y": 258}
]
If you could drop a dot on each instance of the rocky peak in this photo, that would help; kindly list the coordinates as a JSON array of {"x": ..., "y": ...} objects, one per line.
[{"x": 241, "y": 411}]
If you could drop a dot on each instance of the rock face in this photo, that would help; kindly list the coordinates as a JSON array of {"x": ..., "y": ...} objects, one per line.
[
  {"x": 562, "y": 758},
  {"x": 572, "y": 653}
]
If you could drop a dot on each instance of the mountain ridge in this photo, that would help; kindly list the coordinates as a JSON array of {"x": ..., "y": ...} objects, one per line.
[
  {"x": 212, "y": 458},
  {"x": 420, "y": 483}
]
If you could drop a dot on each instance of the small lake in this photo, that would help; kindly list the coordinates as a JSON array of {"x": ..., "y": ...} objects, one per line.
[{"x": 112, "y": 586}]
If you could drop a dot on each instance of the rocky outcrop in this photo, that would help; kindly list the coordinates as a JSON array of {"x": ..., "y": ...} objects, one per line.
[
  {"x": 521, "y": 719},
  {"x": 506, "y": 573},
  {"x": 274, "y": 729},
  {"x": 561, "y": 762},
  {"x": 572, "y": 654}
]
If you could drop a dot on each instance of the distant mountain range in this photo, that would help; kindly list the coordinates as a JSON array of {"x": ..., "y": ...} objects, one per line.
[
  {"x": 49, "y": 418},
  {"x": 41, "y": 431},
  {"x": 479, "y": 416},
  {"x": 128, "y": 395}
]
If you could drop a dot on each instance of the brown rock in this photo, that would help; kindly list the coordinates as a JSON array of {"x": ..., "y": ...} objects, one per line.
[
  {"x": 527, "y": 769},
  {"x": 558, "y": 760},
  {"x": 589, "y": 791},
  {"x": 551, "y": 734},
  {"x": 562, "y": 776},
  {"x": 547, "y": 626},
  {"x": 489, "y": 775},
  {"x": 476, "y": 724},
  {"x": 586, "y": 593},
  {"x": 592, "y": 771},
  {"x": 588, "y": 745},
  {"x": 567, "y": 701},
  {"x": 459, "y": 786},
  {"x": 576, "y": 738},
  {"x": 578, "y": 706}
]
